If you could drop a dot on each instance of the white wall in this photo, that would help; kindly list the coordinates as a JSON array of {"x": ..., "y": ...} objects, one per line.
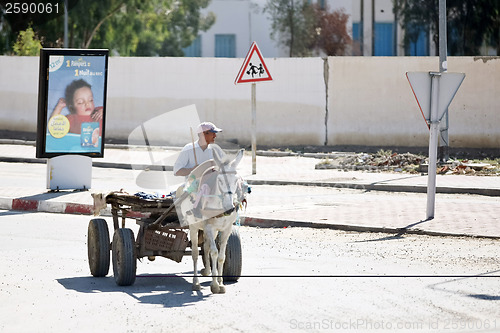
[
  {"x": 368, "y": 100},
  {"x": 145, "y": 89},
  {"x": 18, "y": 93},
  {"x": 371, "y": 101}
]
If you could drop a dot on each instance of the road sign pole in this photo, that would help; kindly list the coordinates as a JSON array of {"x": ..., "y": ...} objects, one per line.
[
  {"x": 253, "y": 70},
  {"x": 254, "y": 129},
  {"x": 433, "y": 145},
  {"x": 434, "y": 92}
]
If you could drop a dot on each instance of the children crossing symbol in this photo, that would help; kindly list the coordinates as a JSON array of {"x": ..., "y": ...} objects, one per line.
[{"x": 254, "y": 68}]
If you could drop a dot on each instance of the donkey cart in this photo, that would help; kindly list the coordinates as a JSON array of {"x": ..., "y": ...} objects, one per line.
[{"x": 160, "y": 234}]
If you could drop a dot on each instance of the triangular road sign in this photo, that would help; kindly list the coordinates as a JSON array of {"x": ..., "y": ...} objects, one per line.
[
  {"x": 448, "y": 87},
  {"x": 254, "y": 68},
  {"x": 420, "y": 83}
]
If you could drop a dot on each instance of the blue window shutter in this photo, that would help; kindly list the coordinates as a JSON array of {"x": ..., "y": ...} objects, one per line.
[
  {"x": 225, "y": 46},
  {"x": 384, "y": 39},
  {"x": 356, "y": 31},
  {"x": 193, "y": 50},
  {"x": 420, "y": 47}
]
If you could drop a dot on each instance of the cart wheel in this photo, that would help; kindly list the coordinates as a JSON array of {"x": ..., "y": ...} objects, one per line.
[
  {"x": 124, "y": 257},
  {"x": 98, "y": 247},
  {"x": 233, "y": 263}
]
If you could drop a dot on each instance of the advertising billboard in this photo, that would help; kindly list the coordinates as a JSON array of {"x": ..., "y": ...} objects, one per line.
[{"x": 72, "y": 102}]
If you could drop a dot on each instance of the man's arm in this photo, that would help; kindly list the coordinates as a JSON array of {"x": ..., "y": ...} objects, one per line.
[
  {"x": 184, "y": 171},
  {"x": 180, "y": 168}
]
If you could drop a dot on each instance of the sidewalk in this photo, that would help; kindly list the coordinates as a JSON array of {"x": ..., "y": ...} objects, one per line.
[{"x": 311, "y": 198}]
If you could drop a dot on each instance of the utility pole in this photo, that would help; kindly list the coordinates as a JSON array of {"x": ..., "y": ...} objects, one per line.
[
  {"x": 443, "y": 151},
  {"x": 362, "y": 27},
  {"x": 373, "y": 27}
]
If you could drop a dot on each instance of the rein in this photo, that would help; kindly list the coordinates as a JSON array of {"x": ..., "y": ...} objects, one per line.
[{"x": 229, "y": 211}]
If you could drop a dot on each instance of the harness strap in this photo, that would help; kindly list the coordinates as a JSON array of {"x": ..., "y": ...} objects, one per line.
[{"x": 228, "y": 212}]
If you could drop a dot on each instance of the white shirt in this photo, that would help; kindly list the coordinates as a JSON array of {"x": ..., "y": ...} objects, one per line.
[{"x": 186, "y": 156}]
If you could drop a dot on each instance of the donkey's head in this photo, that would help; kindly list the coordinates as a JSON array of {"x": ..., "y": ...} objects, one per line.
[{"x": 227, "y": 179}]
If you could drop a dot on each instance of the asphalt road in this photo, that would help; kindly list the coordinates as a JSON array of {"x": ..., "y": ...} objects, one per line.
[{"x": 294, "y": 279}]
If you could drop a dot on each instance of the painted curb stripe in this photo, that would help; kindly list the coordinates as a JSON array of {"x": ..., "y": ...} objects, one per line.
[
  {"x": 72, "y": 208},
  {"x": 23, "y": 204}
]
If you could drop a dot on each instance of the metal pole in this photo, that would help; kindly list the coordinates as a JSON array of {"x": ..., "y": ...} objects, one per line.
[
  {"x": 433, "y": 142},
  {"x": 395, "y": 46},
  {"x": 362, "y": 27},
  {"x": 443, "y": 50},
  {"x": 373, "y": 27},
  {"x": 254, "y": 130},
  {"x": 65, "y": 23},
  {"x": 443, "y": 67}
]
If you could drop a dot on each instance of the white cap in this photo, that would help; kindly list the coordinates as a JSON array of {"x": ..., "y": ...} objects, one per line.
[{"x": 208, "y": 126}]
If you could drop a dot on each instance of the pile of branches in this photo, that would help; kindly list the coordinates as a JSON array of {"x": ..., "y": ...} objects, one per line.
[{"x": 384, "y": 160}]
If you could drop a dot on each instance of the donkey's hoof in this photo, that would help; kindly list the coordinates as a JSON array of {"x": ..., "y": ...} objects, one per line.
[
  {"x": 205, "y": 272},
  {"x": 215, "y": 289},
  {"x": 222, "y": 289},
  {"x": 196, "y": 287}
]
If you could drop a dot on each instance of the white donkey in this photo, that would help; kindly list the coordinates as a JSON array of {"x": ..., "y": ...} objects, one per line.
[{"x": 213, "y": 207}]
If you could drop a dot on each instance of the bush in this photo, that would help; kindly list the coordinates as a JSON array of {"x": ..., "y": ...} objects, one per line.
[{"x": 27, "y": 43}]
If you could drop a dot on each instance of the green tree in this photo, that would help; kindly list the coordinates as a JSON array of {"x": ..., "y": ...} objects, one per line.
[
  {"x": 4, "y": 37},
  {"x": 27, "y": 43},
  {"x": 293, "y": 25},
  {"x": 305, "y": 28},
  {"x": 468, "y": 22},
  {"x": 12, "y": 23},
  {"x": 493, "y": 33},
  {"x": 128, "y": 27}
]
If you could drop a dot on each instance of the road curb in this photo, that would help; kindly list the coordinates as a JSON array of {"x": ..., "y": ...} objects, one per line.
[
  {"x": 45, "y": 206},
  {"x": 22, "y": 160},
  {"x": 382, "y": 187}
]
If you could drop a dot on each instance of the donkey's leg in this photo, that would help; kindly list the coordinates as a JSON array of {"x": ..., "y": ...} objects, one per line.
[
  {"x": 210, "y": 235},
  {"x": 206, "y": 259},
  {"x": 193, "y": 234},
  {"x": 206, "y": 271},
  {"x": 224, "y": 236}
]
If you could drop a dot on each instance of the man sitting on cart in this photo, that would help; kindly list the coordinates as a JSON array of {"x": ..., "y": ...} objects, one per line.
[
  {"x": 191, "y": 156},
  {"x": 197, "y": 152}
]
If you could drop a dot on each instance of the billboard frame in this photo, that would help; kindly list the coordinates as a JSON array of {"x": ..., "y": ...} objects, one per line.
[{"x": 95, "y": 149}]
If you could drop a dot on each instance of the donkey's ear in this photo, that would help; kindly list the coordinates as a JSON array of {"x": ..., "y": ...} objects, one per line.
[{"x": 238, "y": 158}]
